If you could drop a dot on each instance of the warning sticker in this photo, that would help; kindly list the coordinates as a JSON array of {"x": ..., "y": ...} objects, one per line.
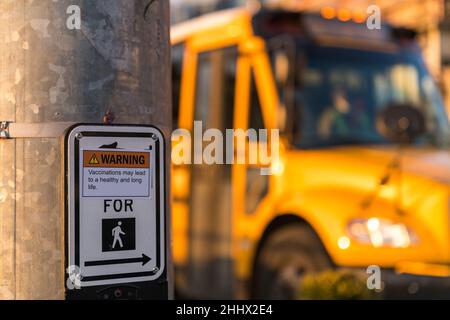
[
  {"x": 114, "y": 173},
  {"x": 114, "y": 159}
]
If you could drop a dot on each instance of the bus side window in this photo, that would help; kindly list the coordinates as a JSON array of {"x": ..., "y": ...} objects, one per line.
[
  {"x": 257, "y": 185},
  {"x": 177, "y": 67},
  {"x": 211, "y": 193},
  {"x": 256, "y": 120},
  {"x": 216, "y": 76}
]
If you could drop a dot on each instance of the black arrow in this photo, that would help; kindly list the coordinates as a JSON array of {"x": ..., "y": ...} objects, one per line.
[{"x": 144, "y": 259}]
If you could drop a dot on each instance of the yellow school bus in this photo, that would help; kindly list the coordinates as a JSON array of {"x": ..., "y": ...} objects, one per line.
[{"x": 343, "y": 196}]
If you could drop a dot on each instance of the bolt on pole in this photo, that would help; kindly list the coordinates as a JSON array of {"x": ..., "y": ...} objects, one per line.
[{"x": 103, "y": 61}]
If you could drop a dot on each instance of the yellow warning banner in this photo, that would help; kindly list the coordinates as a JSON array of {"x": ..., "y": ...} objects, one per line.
[{"x": 116, "y": 159}]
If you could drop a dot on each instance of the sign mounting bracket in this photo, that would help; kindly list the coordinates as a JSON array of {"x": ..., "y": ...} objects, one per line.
[{"x": 14, "y": 130}]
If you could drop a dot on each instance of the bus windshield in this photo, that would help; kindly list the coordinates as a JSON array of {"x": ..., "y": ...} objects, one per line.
[{"x": 339, "y": 93}]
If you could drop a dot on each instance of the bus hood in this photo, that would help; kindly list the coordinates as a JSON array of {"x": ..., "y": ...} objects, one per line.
[
  {"x": 425, "y": 162},
  {"x": 431, "y": 163}
]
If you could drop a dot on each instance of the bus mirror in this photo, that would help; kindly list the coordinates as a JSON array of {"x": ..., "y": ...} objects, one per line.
[
  {"x": 281, "y": 117},
  {"x": 281, "y": 68},
  {"x": 401, "y": 123}
]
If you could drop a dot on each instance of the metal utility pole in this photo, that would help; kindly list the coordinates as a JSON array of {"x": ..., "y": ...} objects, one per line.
[{"x": 62, "y": 62}]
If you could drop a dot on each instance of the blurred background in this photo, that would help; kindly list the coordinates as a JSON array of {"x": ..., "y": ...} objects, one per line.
[{"x": 362, "y": 184}]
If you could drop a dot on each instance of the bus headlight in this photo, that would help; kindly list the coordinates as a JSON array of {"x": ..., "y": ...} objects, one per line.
[{"x": 382, "y": 233}]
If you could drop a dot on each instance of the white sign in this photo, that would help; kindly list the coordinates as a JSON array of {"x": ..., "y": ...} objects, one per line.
[{"x": 115, "y": 213}]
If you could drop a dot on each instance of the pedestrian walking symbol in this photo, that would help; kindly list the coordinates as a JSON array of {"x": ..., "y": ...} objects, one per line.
[{"x": 118, "y": 234}]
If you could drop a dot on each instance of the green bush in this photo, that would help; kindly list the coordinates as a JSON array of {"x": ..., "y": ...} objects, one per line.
[{"x": 335, "y": 285}]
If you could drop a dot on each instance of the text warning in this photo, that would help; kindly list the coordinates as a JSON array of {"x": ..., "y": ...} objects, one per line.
[{"x": 113, "y": 173}]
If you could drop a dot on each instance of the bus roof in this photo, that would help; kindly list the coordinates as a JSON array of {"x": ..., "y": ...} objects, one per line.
[
  {"x": 180, "y": 32},
  {"x": 310, "y": 25}
]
